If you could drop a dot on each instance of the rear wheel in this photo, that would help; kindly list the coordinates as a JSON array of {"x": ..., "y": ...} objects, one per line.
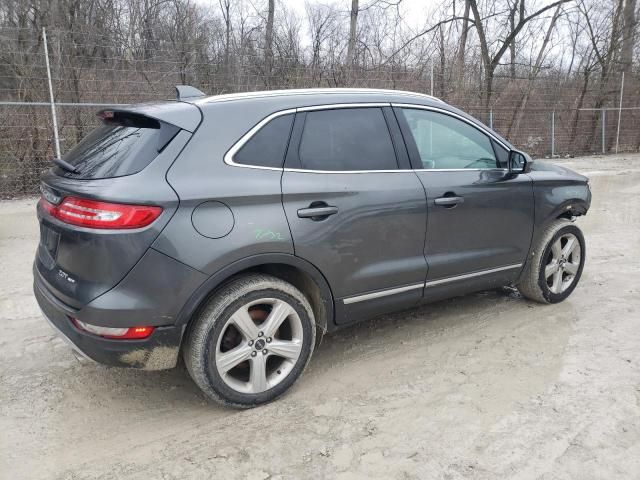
[
  {"x": 251, "y": 342},
  {"x": 556, "y": 265}
]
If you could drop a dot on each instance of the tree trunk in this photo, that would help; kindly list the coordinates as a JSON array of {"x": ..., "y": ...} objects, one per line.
[
  {"x": 351, "y": 47},
  {"x": 268, "y": 43},
  {"x": 512, "y": 43},
  {"x": 226, "y": 15},
  {"x": 459, "y": 69},
  {"x": 443, "y": 63},
  {"x": 489, "y": 67},
  {"x": 628, "y": 35}
]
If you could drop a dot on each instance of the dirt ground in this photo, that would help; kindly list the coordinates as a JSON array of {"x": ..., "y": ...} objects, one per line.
[{"x": 485, "y": 386}]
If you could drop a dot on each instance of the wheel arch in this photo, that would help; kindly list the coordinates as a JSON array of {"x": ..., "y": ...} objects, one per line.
[
  {"x": 573, "y": 207},
  {"x": 568, "y": 209},
  {"x": 300, "y": 273},
  {"x": 546, "y": 215}
]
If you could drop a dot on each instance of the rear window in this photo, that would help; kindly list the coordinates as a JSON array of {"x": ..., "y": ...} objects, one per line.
[{"x": 124, "y": 144}]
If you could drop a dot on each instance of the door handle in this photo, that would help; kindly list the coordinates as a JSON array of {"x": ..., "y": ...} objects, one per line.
[
  {"x": 317, "y": 211},
  {"x": 448, "y": 202}
]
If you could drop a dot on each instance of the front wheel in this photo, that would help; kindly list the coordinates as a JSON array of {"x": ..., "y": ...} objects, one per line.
[
  {"x": 251, "y": 342},
  {"x": 557, "y": 263}
]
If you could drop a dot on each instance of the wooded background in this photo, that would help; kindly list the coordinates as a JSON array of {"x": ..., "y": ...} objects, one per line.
[{"x": 545, "y": 74}]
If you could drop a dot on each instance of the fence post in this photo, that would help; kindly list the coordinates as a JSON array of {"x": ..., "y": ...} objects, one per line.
[
  {"x": 491, "y": 118},
  {"x": 619, "y": 112},
  {"x": 603, "y": 121},
  {"x": 553, "y": 133},
  {"x": 53, "y": 105}
]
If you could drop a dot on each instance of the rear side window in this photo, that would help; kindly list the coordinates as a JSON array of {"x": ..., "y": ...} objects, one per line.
[
  {"x": 347, "y": 139},
  {"x": 124, "y": 144},
  {"x": 268, "y": 146}
]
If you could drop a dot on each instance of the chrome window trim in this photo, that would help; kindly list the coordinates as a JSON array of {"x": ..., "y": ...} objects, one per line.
[
  {"x": 228, "y": 157},
  {"x": 440, "y": 281},
  {"x": 459, "y": 117},
  {"x": 302, "y": 170},
  {"x": 336, "y": 106},
  {"x": 460, "y": 169}
]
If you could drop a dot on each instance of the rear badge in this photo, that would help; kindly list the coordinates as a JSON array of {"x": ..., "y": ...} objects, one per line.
[
  {"x": 66, "y": 276},
  {"x": 49, "y": 195}
]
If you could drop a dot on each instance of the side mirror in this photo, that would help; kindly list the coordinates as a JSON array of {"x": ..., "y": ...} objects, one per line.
[{"x": 518, "y": 161}]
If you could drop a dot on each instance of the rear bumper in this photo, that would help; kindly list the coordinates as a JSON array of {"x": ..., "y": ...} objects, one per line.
[{"x": 158, "y": 352}]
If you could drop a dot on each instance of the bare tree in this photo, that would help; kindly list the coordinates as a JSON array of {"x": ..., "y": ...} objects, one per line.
[{"x": 490, "y": 60}]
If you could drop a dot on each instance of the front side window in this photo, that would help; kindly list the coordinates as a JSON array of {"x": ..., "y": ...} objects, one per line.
[
  {"x": 268, "y": 146},
  {"x": 347, "y": 139},
  {"x": 444, "y": 142}
]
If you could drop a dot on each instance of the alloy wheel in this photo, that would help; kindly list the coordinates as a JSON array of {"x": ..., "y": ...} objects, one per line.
[
  {"x": 563, "y": 263},
  {"x": 259, "y": 345}
]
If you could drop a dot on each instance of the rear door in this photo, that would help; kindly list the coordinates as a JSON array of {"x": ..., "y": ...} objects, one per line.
[
  {"x": 353, "y": 212},
  {"x": 480, "y": 216}
]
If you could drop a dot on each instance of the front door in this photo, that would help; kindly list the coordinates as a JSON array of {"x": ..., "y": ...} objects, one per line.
[
  {"x": 480, "y": 217},
  {"x": 353, "y": 213}
]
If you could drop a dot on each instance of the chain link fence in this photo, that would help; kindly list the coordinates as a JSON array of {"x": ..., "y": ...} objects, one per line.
[{"x": 544, "y": 116}]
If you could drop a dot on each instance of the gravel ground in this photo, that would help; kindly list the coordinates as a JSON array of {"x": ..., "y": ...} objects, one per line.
[{"x": 485, "y": 386}]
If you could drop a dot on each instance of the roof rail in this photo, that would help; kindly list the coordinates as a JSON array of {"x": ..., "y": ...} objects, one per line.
[
  {"x": 312, "y": 91},
  {"x": 184, "y": 92}
]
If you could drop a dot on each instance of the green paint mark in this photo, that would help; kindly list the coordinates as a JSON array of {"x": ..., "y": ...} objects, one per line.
[{"x": 264, "y": 234}]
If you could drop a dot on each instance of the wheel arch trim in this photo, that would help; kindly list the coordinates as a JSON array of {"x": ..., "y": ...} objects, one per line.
[
  {"x": 571, "y": 207},
  {"x": 254, "y": 261}
]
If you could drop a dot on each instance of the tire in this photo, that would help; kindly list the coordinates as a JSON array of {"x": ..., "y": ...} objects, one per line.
[
  {"x": 242, "y": 356},
  {"x": 556, "y": 265}
]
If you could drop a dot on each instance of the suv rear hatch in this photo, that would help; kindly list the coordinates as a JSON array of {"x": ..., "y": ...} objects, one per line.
[{"x": 107, "y": 201}]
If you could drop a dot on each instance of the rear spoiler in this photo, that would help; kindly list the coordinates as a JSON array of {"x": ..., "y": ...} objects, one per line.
[{"x": 183, "y": 115}]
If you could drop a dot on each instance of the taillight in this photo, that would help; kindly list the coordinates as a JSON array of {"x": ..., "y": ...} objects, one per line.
[
  {"x": 95, "y": 214},
  {"x": 122, "y": 333}
]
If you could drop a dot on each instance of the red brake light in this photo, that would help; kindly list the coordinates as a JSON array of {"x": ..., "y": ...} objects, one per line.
[{"x": 95, "y": 214}]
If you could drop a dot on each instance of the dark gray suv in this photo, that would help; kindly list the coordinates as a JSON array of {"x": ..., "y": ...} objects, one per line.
[{"x": 237, "y": 229}]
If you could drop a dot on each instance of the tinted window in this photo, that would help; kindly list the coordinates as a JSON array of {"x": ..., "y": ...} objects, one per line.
[
  {"x": 445, "y": 142},
  {"x": 268, "y": 146},
  {"x": 347, "y": 139},
  {"x": 502, "y": 154},
  {"x": 123, "y": 145}
]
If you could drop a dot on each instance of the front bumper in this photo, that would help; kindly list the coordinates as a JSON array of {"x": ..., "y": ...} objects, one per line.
[{"x": 157, "y": 352}]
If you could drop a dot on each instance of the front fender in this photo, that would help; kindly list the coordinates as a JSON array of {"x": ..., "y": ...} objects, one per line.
[
  {"x": 558, "y": 192},
  {"x": 553, "y": 201}
]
